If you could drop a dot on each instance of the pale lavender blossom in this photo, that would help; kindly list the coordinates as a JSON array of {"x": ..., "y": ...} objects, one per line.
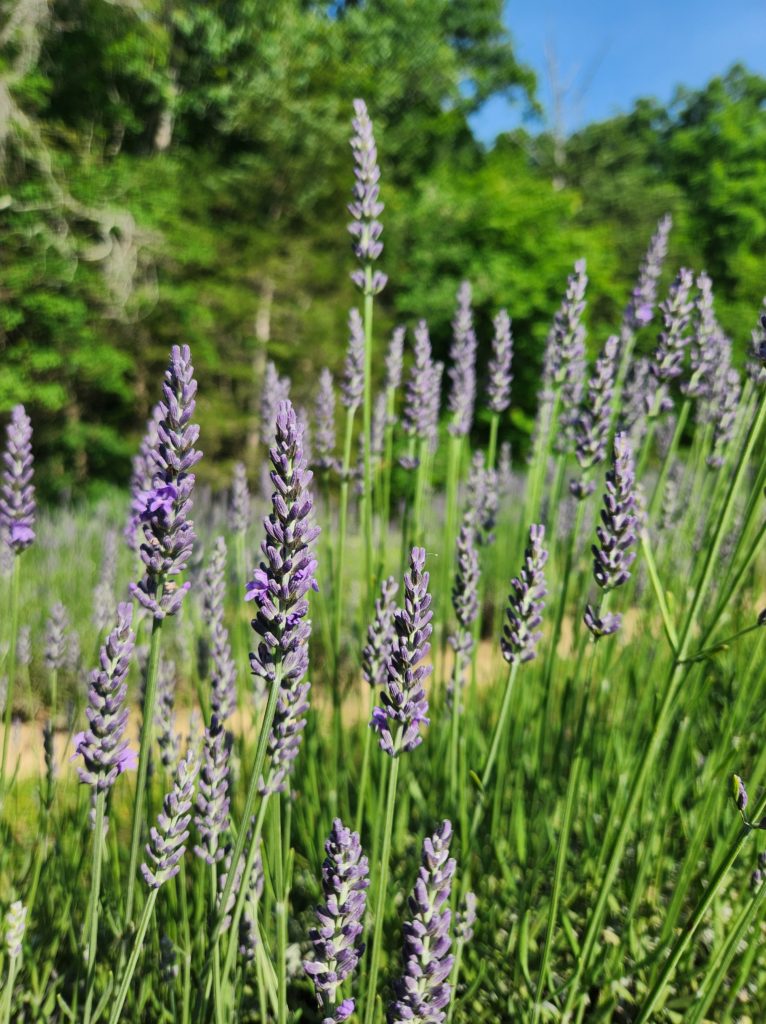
[
  {"x": 142, "y": 478},
  {"x": 526, "y": 602},
  {"x": 223, "y": 670},
  {"x": 324, "y": 423},
  {"x": 352, "y": 388},
  {"x": 500, "y": 376},
  {"x": 395, "y": 359},
  {"x": 365, "y": 228},
  {"x": 17, "y": 493},
  {"x": 167, "y": 839},
  {"x": 212, "y": 804},
  {"x": 274, "y": 391},
  {"x": 380, "y": 635},
  {"x": 640, "y": 308},
  {"x": 56, "y": 638},
  {"x": 462, "y": 372},
  {"x": 239, "y": 500},
  {"x": 591, "y": 428}
]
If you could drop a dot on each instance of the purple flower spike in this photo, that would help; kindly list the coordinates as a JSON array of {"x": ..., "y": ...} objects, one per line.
[
  {"x": 223, "y": 673},
  {"x": 239, "y": 500},
  {"x": 275, "y": 390},
  {"x": 668, "y": 357},
  {"x": 17, "y": 493},
  {"x": 566, "y": 357},
  {"x": 705, "y": 342},
  {"x": 103, "y": 746},
  {"x": 56, "y": 638},
  {"x": 616, "y": 534},
  {"x": 601, "y": 623},
  {"x": 466, "y": 918},
  {"x": 484, "y": 493},
  {"x": 422, "y": 993},
  {"x": 526, "y": 602},
  {"x": 353, "y": 380},
  {"x": 324, "y": 423},
  {"x": 723, "y": 431},
  {"x": 142, "y": 477},
  {"x": 591, "y": 428},
  {"x": 337, "y": 939},
  {"x": 640, "y": 309},
  {"x": 500, "y": 377},
  {"x": 167, "y": 840},
  {"x": 404, "y": 703},
  {"x": 212, "y": 805},
  {"x": 365, "y": 227},
  {"x": 462, "y": 372},
  {"x": 465, "y": 602},
  {"x": 420, "y": 418},
  {"x": 168, "y": 739},
  {"x": 279, "y": 589},
  {"x": 168, "y": 531},
  {"x": 380, "y": 636},
  {"x": 394, "y": 359}
]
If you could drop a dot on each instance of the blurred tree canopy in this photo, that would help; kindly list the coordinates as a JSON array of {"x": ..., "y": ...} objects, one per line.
[{"x": 174, "y": 171}]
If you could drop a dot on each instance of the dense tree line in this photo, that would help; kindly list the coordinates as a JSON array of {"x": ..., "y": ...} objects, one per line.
[{"x": 174, "y": 171}]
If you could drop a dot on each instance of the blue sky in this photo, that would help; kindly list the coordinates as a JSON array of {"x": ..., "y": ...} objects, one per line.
[{"x": 609, "y": 54}]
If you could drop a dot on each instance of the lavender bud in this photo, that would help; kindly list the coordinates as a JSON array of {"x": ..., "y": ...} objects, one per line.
[
  {"x": 73, "y": 653},
  {"x": 404, "y": 703},
  {"x": 526, "y": 602},
  {"x": 337, "y": 939},
  {"x": 612, "y": 556},
  {"x": 726, "y": 420},
  {"x": 167, "y": 840},
  {"x": 740, "y": 793},
  {"x": 279, "y": 589},
  {"x": 757, "y": 369},
  {"x": 168, "y": 961},
  {"x": 324, "y": 423},
  {"x": 24, "y": 646},
  {"x": 484, "y": 500},
  {"x": 55, "y": 637},
  {"x": 640, "y": 309},
  {"x": 566, "y": 349},
  {"x": 423, "y": 992},
  {"x": 462, "y": 373},
  {"x": 168, "y": 531},
  {"x": 142, "y": 477},
  {"x": 465, "y": 602},
  {"x": 421, "y": 398},
  {"x": 378, "y": 428},
  {"x": 591, "y": 428},
  {"x": 672, "y": 341},
  {"x": 15, "y": 927},
  {"x": 394, "y": 359},
  {"x": 353, "y": 381},
  {"x": 704, "y": 346},
  {"x": 500, "y": 376},
  {"x": 601, "y": 623},
  {"x": 102, "y": 745},
  {"x": 276, "y": 390},
  {"x": 17, "y": 493},
  {"x": 466, "y": 918},
  {"x": 504, "y": 471},
  {"x": 239, "y": 500},
  {"x": 248, "y": 922},
  {"x": 365, "y": 227},
  {"x": 223, "y": 674},
  {"x": 168, "y": 739},
  {"x": 212, "y": 805},
  {"x": 380, "y": 636}
]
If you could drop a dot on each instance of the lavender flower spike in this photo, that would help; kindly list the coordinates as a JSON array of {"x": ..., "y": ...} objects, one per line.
[
  {"x": 337, "y": 939},
  {"x": 404, "y": 703},
  {"x": 465, "y": 602},
  {"x": 423, "y": 991},
  {"x": 15, "y": 927},
  {"x": 394, "y": 359},
  {"x": 279, "y": 589},
  {"x": 421, "y": 397},
  {"x": 103, "y": 746},
  {"x": 616, "y": 534},
  {"x": 167, "y": 840},
  {"x": 591, "y": 428},
  {"x": 239, "y": 500},
  {"x": 212, "y": 805},
  {"x": 526, "y": 603},
  {"x": 168, "y": 531},
  {"x": 365, "y": 227},
  {"x": 500, "y": 377},
  {"x": 324, "y": 423},
  {"x": 275, "y": 389},
  {"x": 56, "y": 638},
  {"x": 380, "y": 636},
  {"x": 726, "y": 419},
  {"x": 668, "y": 356},
  {"x": 17, "y": 493},
  {"x": 353, "y": 379},
  {"x": 640, "y": 308},
  {"x": 705, "y": 342},
  {"x": 462, "y": 373},
  {"x": 141, "y": 478},
  {"x": 567, "y": 369},
  {"x": 223, "y": 674}
]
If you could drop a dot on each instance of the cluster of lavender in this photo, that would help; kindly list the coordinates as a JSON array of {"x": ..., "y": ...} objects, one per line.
[
  {"x": 223, "y": 671},
  {"x": 168, "y": 531},
  {"x": 337, "y": 939},
  {"x": 423, "y": 991},
  {"x": 279, "y": 589},
  {"x": 404, "y": 703},
  {"x": 500, "y": 376},
  {"x": 612, "y": 556},
  {"x": 324, "y": 423},
  {"x": 239, "y": 503},
  {"x": 704, "y": 347},
  {"x": 365, "y": 228},
  {"x": 275, "y": 390},
  {"x": 56, "y": 638},
  {"x": 640, "y": 308},
  {"x": 395, "y": 359},
  {"x": 212, "y": 804},
  {"x": 526, "y": 602},
  {"x": 593, "y": 423},
  {"x": 726, "y": 420},
  {"x": 565, "y": 353},
  {"x": 420, "y": 417},
  {"x": 462, "y": 372},
  {"x": 352, "y": 387},
  {"x": 465, "y": 602},
  {"x": 102, "y": 745},
  {"x": 380, "y": 636},
  {"x": 637, "y": 397},
  {"x": 17, "y": 493},
  {"x": 484, "y": 497},
  {"x": 142, "y": 478},
  {"x": 668, "y": 356},
  {"x": 167, "y": 840}
]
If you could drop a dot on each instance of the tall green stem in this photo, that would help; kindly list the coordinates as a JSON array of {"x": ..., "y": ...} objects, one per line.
[
  {"x": 380, "y": 900},
  {"x": 367, "y": 427},
  {"x": 14, "y": 624},
  {"x": 130, "y": 970},
  {"x": 498, "y": 736},
  {"x": 494, "y": 424},
  {"x": 95, "y": 889}
]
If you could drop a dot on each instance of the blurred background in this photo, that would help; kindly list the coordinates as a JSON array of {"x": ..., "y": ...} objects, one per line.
[{"x": 176, "y": 171}]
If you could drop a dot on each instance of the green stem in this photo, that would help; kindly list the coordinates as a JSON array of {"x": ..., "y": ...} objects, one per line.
[
  {"x": 134, "y": 955},
  {"x": 367, "y": 427},
  {"x": 659, "y": 593},
  {"x": 145, "y": 747},
  {"x": 14, "y": 623},
  {"x": 217, "y": 988},
  {"x": 659, "y": 487},
  {"x": 497, "y": 736},
  {"x": 380, "y": 901},
  {"x": 8, "y": 1001},
  {"x": 494, "y": 424},
  {"x": 95, "y": 889},
  {"x": 365, "y": 776},
  {"x": 342, "y": 526}
]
